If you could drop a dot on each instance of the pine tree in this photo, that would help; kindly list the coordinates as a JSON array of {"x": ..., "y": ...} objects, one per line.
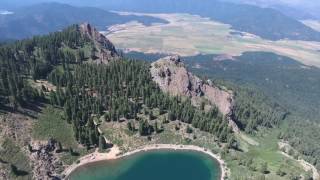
[{"x": 102, "y": 143}]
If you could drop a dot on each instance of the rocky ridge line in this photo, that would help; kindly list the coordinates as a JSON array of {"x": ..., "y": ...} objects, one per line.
[
  {"x": 105, "y": 50},
  {"x": 172, "y": 77}
]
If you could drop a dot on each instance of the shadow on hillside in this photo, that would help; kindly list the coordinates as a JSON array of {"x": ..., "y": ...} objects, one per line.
[{"x": 17, "y": 171}]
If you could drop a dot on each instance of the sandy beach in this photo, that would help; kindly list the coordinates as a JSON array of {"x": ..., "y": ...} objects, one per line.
[{"x": 114, "y": 153}]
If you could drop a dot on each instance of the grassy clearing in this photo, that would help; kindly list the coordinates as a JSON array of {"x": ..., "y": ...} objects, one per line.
[
  {"x": 14, "y": 160},
  {"x": 79, "y": 152},
  {"x": 265, "y": 152},
  {"x": 51, "y": 124},
  {"x": 118, "y": 134}
]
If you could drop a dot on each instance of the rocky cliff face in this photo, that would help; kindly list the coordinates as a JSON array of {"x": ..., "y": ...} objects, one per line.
[
  {"x": 46, "y": 164},
  {"x": 172, "y": 77},
  {"x": 43, "y": 156},
  {"x": 104, "y": 49}
]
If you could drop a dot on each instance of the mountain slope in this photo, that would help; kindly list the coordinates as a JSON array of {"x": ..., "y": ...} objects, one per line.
[
  {"x": 290, "y": 83},
  {"x": 172, "y": 77},
  {"x": 38, "y": 57},
  {"x": 104, "y": 49},
  {"x": 56, "y": 91},
  {"x": 60, "y": 101},
  {"x": 26, "y": 153},
  {"x": 296, "y": 9},
  {"x": 280, "y": 77},
  {"x": 49, "y": 17}
]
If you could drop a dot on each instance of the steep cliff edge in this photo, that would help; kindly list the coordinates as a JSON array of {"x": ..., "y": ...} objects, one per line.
[
  {"x": 172, "y": 77},
  {"x": 104, "y": 50}
]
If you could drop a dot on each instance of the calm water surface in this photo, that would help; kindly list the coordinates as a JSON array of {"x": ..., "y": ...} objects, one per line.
[{"x": 153, "y": 165}]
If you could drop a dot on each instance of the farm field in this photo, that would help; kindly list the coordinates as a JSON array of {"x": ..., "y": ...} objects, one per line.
[{"x": 201, "y": 35}]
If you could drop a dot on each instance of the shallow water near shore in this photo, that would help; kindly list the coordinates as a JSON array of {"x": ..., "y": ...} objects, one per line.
[{"x": 153, "y": 165}]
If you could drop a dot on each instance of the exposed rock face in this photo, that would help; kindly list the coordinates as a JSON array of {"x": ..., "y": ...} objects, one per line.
[
  {"x": 3, "y": 174},
  {"x": 45, "y": 161},
  {"x": 43, "y": 157},
  {"x": 105, "y": 50},
  {"x": 172, "y": 77}
]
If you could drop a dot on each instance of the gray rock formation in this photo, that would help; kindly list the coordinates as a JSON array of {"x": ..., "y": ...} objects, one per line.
[
  {"x": 45, "y": 161},
  {"x": 172, "y": 77},
  {"x": 105, "y": 50}
]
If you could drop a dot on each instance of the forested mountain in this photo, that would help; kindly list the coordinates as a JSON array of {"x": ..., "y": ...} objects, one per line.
[
  {"x": 253, "y": 109},
  {"x": 264, "y": 22},
  {"x": 84, "y": 89},
  {"x": 280, "y": 77},
  {"x": 277, "y": 88},
  {"x": 35, "y": 58},
  {"x": 78, "y": 73},
  {"x": 297, "y": 9},
  {"x": 85, "y": 86},
  {"x": 285, "y": 81},
  {"x": 49, "y": 17}
]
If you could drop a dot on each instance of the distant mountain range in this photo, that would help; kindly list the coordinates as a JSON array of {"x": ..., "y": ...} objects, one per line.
[
  {"x": 267, "y": 23},
  {"x": 48, "y": 17},
  {"x": 299, "y": 9}
]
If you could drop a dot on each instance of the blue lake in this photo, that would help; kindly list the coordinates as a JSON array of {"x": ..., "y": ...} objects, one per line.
[{"x": 153, "y": 165}]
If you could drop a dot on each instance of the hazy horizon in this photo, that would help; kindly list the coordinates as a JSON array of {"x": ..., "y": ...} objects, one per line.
[{"x": 295, "y": 8}]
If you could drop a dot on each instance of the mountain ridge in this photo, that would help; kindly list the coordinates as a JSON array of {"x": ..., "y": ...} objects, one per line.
[
  {"x": 172, "y": 77},
  {"x": 40, "y": 19},
  {"x": 105, "y": 50}
]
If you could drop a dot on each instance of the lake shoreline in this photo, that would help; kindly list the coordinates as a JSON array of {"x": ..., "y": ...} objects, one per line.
[{"x": 114, "y": 153}]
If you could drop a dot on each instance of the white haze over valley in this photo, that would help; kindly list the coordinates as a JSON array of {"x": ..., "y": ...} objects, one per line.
[{"x": 5, "y": 12}]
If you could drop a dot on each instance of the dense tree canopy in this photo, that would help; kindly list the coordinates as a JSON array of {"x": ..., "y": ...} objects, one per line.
[
  {"x": 85, "y": 90},
  {"x": 119, "y": 91}
]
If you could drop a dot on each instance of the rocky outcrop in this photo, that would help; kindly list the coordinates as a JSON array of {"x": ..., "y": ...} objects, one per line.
[
  {"x": 3, "y": 174},
  {"x": 46, "y": 164},
  {"x": 43, "y": 156},
  {"x": 104, "y": 49},
  {"x": 172, "y": 77}
]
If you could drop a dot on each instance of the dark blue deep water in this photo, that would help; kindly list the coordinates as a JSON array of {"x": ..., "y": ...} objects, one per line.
[{"x": 153, "y": 165}]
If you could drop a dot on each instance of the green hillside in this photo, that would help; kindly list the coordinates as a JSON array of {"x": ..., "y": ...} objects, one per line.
[
  {"x": 293, "y": 84},
  {"x": 262, "y": 80},
  {"x": 284, "y": 80},
  {"x": 53, "y": 87},
  {"x": 54, "y": 80}
]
